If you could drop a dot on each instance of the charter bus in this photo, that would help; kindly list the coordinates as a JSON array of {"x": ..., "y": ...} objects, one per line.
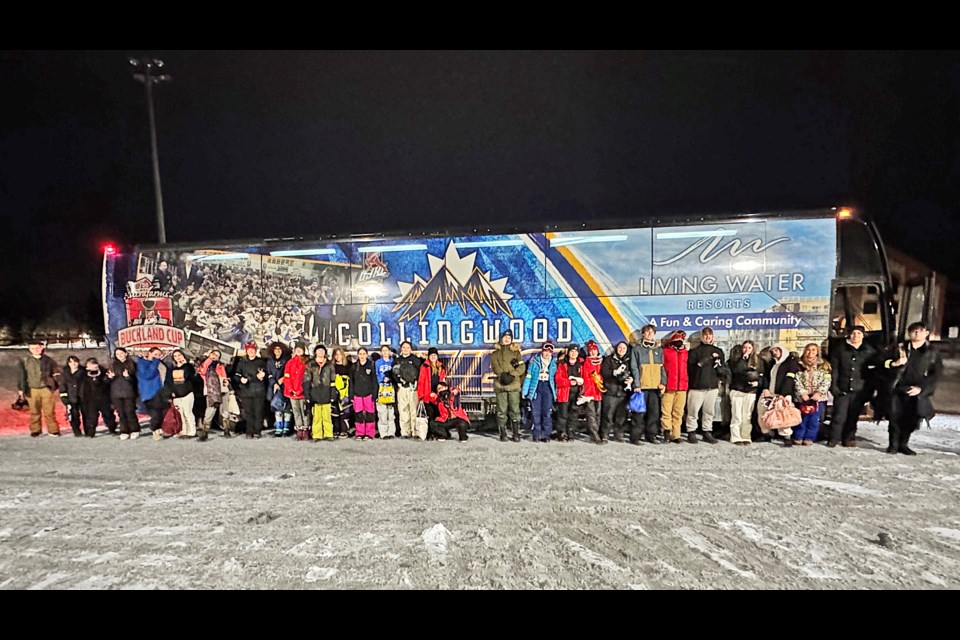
[{"x": 789, "y": 277}]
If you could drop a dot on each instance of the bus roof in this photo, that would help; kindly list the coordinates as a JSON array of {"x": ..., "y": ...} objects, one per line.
[{"x": 505, "y": 229}]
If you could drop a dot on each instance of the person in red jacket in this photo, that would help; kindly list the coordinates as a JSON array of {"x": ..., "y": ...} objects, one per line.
[
  {"x": 432, "y": 373},
  {"x": 675, "y": 397},
  {"x": 293, "y": 389},
  {"x": 570, "y": 383},
  {"x": 450, "y": 415}
]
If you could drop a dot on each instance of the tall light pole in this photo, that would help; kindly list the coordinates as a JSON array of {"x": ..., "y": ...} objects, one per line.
[{"x": 146, "y": 70}]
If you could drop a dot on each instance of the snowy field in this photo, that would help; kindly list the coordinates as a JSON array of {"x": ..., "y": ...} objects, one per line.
[{"x": 78, "y": 513}]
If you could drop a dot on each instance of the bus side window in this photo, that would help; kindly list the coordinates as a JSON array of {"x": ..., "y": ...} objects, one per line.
[{"x": 854, "y": 305}]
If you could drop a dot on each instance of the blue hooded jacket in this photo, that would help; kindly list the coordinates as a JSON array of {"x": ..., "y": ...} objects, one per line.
[
  {"x": 148, "y": 378},
  {"x": 532, "y": 380}
]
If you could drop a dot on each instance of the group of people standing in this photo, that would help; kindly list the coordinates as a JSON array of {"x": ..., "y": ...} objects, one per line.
[
  {"x": 319, "y": 398},
  {"x": 653, "y": 388},
  {"x": 658, "y": 386}
]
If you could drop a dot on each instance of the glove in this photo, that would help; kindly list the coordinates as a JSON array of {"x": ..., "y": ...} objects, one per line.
[
  {"x": 619, "y": 369},
  {"x": 65, "y": 399},
  {"x": 515, "y": 363}
]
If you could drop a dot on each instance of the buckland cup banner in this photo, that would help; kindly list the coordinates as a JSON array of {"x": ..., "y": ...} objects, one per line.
[
  {"x": 768, "y": 280},
  {"x": 149, "y": 319}
]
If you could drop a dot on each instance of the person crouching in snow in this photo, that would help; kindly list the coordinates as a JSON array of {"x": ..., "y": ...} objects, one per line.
[
  {"x": 675, "y": 356},
  {"x": 450, "y": 414},
  {"x": 540, "y": 389}
]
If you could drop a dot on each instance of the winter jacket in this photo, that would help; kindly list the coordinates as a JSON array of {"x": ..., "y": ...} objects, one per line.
[
  {"x": 449, "y": 407},
  {"x": 122, "y": 387},
  {"x": 384, "y": 368},
  {"x": 363, "y": 379},
  {"x": 531, "y": 382},
  {"x": 342, "y": 382},
  {"x": 852, "y": 368},
  {"x": 427, "y": 384},
  {"x": 565, "y": 391},
  {"x": 406, "y": 370},
  {"x": 811, "y": 380},
  {"x": 293, "y": 377},
  {"x": 318, "y": 383},
  {"x": 614, "y": 371},
  {"x": 506, "y": 359},
  {"x": 275, "y": 370},
  {"x": 94, "y": 391},
  {"x": 591, "y": 373},
  {"x": 49, "y": 374},
  {"x": 706, "y": 367},
  {"x": 249, "y": 368},
  {"x": 780, "y": 376},
  {"x": 70, "y": 385},
  {"x": 675, "y": 364},
  {"x": 180, "y": 380},
  {"x": 214, "y": 396},
  {"x": 923, "y": 369},
  {"x": 646, "y": 366},
  {"x": 742, "y": 375},
  {"x": 150, "y": 375}
]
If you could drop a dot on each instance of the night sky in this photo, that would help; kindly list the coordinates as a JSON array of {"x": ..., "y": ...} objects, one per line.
[{"x": 268, "y": 144}]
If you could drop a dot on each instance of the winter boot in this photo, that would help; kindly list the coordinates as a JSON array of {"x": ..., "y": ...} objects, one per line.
[
  {"x": 708, "y": 437},
  {"x": 903, "y": 448},
  {"x": 202, "y": 436},
  {"x": 227, "y": 430},
  {"x": 894, "y": 446},
  {"x": 692, "y": 438},
  {"x": 515, "y": 426},
  {"x": 503, "y": 433}
]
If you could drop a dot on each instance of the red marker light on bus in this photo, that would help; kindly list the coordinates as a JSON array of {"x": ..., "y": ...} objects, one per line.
[{"x": 109, "y": 249}]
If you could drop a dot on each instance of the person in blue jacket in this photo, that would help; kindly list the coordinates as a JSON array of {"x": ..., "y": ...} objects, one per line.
[
  {"x": 540, "y": 389},
  {"x": 151, "y": 374}
]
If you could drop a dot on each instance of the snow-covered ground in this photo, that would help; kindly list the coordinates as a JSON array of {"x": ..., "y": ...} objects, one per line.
[{"x": 78, "y": 513}]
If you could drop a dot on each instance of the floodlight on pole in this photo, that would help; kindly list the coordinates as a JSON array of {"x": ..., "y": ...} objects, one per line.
[{"x": 146, "y": 70}]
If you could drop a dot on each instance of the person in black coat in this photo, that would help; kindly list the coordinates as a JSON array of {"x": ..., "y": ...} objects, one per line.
[
  {"x": 364, "y": 386},
  {"x": 94, "y": 394},
  {"x": 70, "y": 392},
  {"x": 250, "y": 381},
  {"x": 123, "y": 393},
  {"x": 852, "y": 365},
  {"x": 615, "y": 371},
  {"x": 918, "y": 371},
  {"x": 706, "y": 367}
]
